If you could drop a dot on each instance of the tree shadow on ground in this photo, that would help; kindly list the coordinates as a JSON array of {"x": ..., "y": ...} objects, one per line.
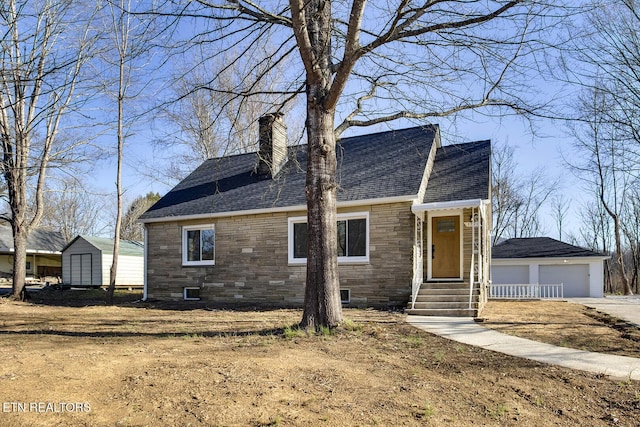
[
  {"x": 96, "y": 297},
  {"x": 157, "y": 333}
]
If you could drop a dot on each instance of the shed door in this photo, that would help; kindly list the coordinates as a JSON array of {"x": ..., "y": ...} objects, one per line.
[
  {"x": 445, "y": 250},
  {"x": 574, "y": 277},
  {"x": 81, "y": 268}
]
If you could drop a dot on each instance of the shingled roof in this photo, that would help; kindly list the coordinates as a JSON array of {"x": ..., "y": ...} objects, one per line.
[
  {"x": 38, "y": 241},
  {"x": 539, "y": 247},
  {"x": 379, "y": 165},
  {"x": 460, "y": 172}
]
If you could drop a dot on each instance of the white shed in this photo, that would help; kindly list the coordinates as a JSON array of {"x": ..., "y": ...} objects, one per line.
[
  {"x": 86, "y": 261},
  {"x": 543, "y": 260}
]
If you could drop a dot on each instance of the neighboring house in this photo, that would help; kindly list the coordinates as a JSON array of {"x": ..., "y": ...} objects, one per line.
[
  {"x": 543, "y": 260},
  {"x": 86, "y": 261},
  {"x": 44, "y": 256},
  {"x": 409, "y": 210}
]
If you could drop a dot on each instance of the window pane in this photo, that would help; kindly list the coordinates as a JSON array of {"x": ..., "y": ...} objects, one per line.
[
  {"x": 446, "y": 225},
  {"x": 357, "y": 237},
  {"x": 193, "y": 245},
  {"x": 208, "y": 244},
  {"x": 300, "y": 240},
  {"x": 342, "y": 238}
]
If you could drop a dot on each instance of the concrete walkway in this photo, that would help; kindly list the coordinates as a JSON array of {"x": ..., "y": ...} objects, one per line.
[{"x": 466, "y": 330}]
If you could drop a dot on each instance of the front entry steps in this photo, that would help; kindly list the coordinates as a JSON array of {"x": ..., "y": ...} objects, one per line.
[{"x": 444, "y": 299}]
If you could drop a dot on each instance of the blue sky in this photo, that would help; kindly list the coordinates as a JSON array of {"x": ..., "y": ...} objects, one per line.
[
  {"x": 532, "y": 151},
  {"x": 541, "y": 151}
]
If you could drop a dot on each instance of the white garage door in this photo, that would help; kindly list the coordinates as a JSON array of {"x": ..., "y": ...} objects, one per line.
[
  {"x": 510, "y": 274},
  {"x": 575, "y": 278}
]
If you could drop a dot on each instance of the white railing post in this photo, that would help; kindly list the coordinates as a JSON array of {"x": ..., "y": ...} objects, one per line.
[
  {"x": 526, "y": 291},
  {"x": 417, "y": 261}
]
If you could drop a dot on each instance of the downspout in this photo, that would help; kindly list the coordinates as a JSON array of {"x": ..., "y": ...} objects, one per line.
[{"x": 144, "y": 277}]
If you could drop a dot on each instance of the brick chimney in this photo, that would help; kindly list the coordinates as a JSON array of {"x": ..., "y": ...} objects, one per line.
[{"x": 272, "y": 153}]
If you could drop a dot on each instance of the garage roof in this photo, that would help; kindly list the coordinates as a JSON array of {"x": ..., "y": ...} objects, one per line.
[{"x": 540, "y": 247}]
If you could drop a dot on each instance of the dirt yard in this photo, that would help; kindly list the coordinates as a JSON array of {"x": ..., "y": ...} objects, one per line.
[{"x": 78, "y": 363}]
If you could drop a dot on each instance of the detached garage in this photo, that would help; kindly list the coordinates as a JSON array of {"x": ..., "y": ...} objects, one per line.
[
  {"x": 546, "y": 261},
  {"x": 86, "y": 261}
]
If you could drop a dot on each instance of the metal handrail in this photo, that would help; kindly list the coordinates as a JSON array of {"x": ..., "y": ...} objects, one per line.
[{"x": 415, "y": 296}]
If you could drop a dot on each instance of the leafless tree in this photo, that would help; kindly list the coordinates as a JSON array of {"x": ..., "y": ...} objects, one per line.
[
  {"x": 559, "y": 210},
  {"x": 131, "y": 229},
  {"x": 609, "y": 58},
  {"x": 602, "y": 162},
  {"x": 73, "y": 209},
  {"x": 201, "y": 123},
  {"x": 44, "y": 46},
  {"x": 517, "y": 197},
  {"x": 125, "y": 50},
  {"x": 631, "y": 229},
  {"x": 360, "y": 64},
  {"x": 595, "y": 229}
]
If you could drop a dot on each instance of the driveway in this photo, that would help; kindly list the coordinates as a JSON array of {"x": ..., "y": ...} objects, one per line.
[{"x": 622, "y": 307}]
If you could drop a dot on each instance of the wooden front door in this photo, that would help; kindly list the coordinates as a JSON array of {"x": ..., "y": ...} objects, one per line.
[{"x": 445, "y": 248}]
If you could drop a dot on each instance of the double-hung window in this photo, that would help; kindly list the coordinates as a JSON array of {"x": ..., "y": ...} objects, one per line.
[
  {"x": 198, "y": 245},
  {"x": 352, "y": 242}
]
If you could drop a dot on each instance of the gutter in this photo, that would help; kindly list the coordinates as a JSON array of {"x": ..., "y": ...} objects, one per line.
[
  {"x": 347, "y": 204},
  {"x": 144, "y": 265}
]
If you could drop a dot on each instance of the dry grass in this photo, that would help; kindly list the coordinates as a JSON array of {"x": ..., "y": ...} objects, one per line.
[
  {"x": 563, "y": 324},
  {"x": 137, "y": 365}
]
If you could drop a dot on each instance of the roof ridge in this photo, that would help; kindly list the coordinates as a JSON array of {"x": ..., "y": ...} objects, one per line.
[{"x": 338, "y": 140}]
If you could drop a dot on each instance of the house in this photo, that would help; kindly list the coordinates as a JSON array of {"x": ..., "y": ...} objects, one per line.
[
  {"x": 44, "y": 256},
  {"x": 86, "y": 261},
  {"x": 545, "y": 261},
  {"x": 413, "y": 222}
]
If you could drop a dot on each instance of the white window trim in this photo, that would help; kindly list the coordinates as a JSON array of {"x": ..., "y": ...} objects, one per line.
[
  {"x": 190, "y": 288},
  {"x": 341, "y": 259},
  {"x": 186, "y": 262}
]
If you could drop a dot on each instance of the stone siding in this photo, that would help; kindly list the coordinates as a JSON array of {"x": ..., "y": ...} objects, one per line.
[{"x": 251, "y": 261}]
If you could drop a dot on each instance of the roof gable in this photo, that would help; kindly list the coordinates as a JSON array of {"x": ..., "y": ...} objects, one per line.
[
  {"x": 460, "y": 172},
  {"x": 374, "y": 166},
  {"x": 539, "y": 247}
]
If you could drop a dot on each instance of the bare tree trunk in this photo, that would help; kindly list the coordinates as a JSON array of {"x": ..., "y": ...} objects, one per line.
[
  {"x": 626, "y": 286},
  {"x": 19, "y": 263},
  {"x": 120, "y": 139},
  {"x": 17, "y": 186},
  {"x": 322, "y": 305}
]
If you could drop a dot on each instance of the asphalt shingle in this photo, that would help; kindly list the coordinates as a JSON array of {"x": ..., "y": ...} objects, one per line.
[
  {"x": 380, "y": 165},
  {"x": 539, "y": 247},
  {"x": 38, "y": 240},
  {"x": 460, "y": 172}
]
